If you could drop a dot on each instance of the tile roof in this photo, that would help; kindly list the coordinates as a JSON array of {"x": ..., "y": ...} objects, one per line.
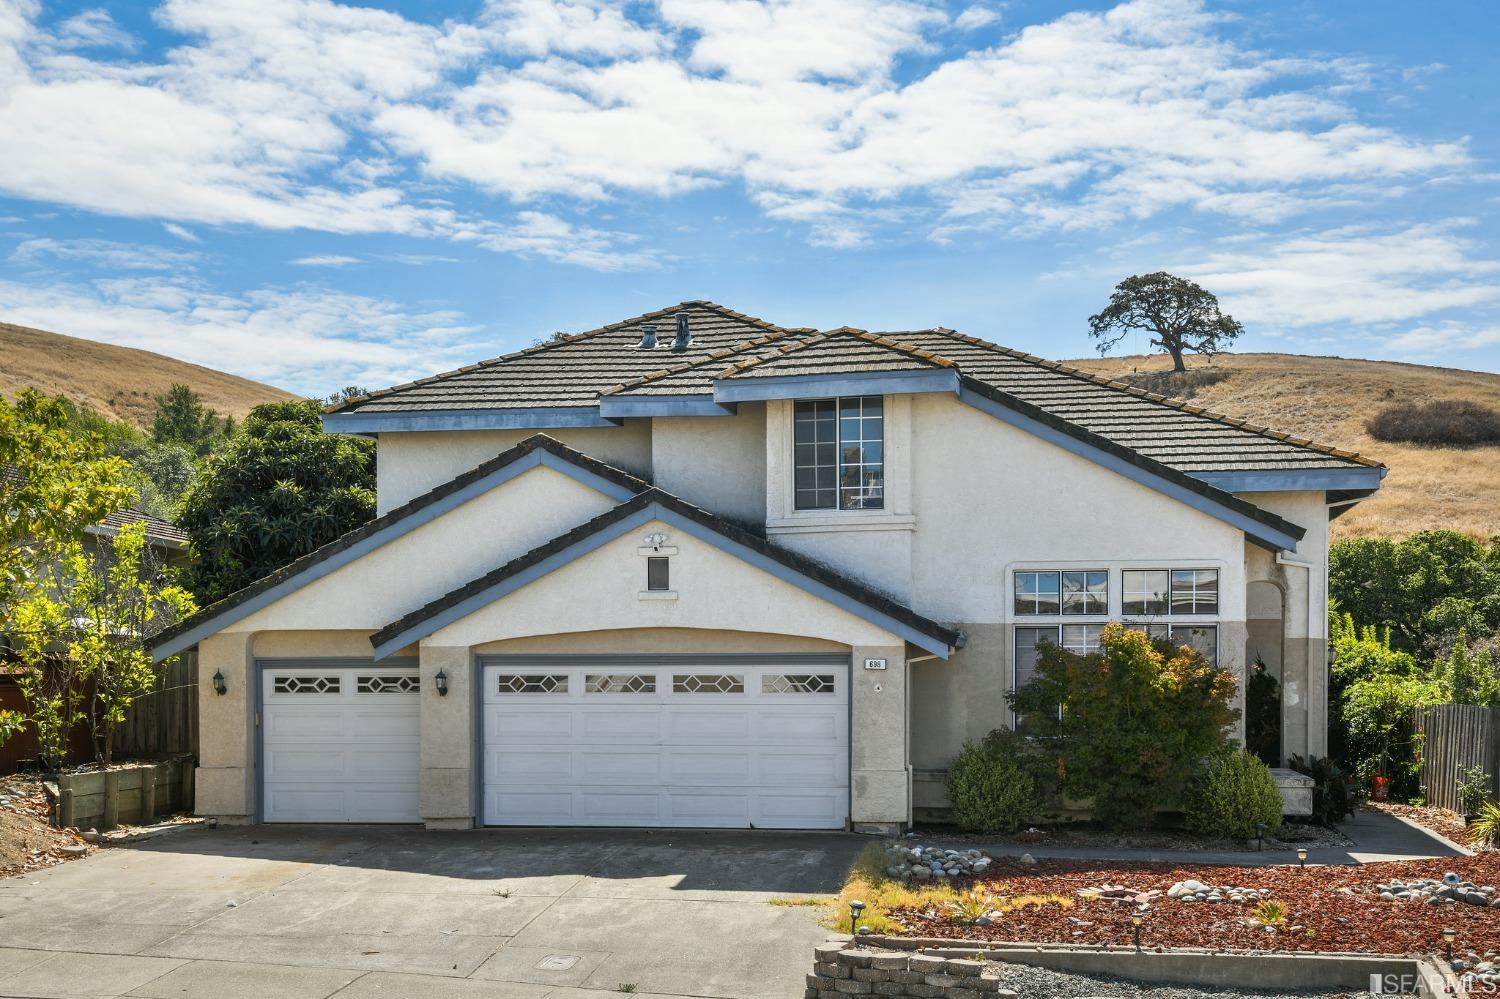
[
  {"x": 157, "y": 529},
  {"x": 810, "y": 568},
  {"x": 574, "y": 370},
  {"x": 577, "y": 370}
]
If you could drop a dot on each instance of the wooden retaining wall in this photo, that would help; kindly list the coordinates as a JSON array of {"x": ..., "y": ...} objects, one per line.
[
  {"x": 1454, "y": 738},
  {"x": 129, "y": 794}
]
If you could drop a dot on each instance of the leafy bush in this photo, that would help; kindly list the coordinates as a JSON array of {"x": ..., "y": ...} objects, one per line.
[
  {"x": 1233, "y": 793},
  {"x": 1332, "y": 800},
  {"x": 1473, "y": 789},
  {"x": 1137, "y": 718},
  {"x": 990, "y": 789},
  {"x": 1451, "y": 422},
  {"x": 1263, "y": 715},
  {"x": 1382, "y": 741}
]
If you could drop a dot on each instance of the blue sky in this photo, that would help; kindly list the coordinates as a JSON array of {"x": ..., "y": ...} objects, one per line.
[{"x": 318, "y": 194}]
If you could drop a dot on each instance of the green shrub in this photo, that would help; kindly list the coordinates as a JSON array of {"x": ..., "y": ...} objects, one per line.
[
  {"x": 1233, "y": 793},
  {"x": 1263, "y": 715},
  {"x": 1485, "y": 829},
  {"x": 1473, "y": 790},
  {"x": 1332, "y": 800},
  {"x": 1137, "y": 718},
  {"x": 990, "y": 789}
]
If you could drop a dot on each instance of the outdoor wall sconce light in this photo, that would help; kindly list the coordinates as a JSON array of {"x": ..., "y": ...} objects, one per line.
[
  {"x": 1260, "y": 835},
  {"x": 442, "y": 683},
  {"x": 1302, "y": 856},
  {"x": 1449, "y": 936},
  {"x": 219, "y": 686},
  {"x": 1136, "y": 919},
  {"x": 856, "y": 909}
]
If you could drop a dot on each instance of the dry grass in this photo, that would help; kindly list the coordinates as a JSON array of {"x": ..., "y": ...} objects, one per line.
[
  {"x": 882, "y": 896},
  {"x": 116, "y": 381},
  {"x": 1329, "y": 399}
]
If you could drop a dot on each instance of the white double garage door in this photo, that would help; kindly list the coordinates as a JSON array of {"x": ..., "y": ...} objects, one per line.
[{"x": 735, "y": 742}]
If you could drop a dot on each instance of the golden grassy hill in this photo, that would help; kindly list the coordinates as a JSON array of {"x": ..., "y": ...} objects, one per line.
[
  {"x": 116, "y": 381},
  {"x": 1328, "y": 399}
]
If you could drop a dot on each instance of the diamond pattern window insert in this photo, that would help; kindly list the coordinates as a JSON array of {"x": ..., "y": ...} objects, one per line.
[
  {"x": 305, "y": 685},
  {"x": 401, "y": 684},
  {"x": 619, "y": 683},
  {"x": 797, "y": 683},
  {"x": 533, "y": 683},
  {"x": 708, "y": 683}
]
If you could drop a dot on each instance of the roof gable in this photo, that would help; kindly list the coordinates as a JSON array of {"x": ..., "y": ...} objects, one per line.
[
  {"x": 538, "y": 450},
  {"x": 655, "y": 504}
]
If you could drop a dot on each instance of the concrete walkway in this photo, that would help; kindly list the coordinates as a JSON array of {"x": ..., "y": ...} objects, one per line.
[
  {"x": 363, "y": 912},
  {"x": 1377, "y": 836}
]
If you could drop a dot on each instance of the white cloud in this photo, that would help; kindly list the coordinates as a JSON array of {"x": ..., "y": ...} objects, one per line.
[
  {"x": 104, "y": 253},
  {"x": 326, "y": 260},
  {"x": 1359, "y": 275},
  {"x": 94, "y": 29},
  {"x": 304, "y": 338},
  {"x": 181, "y": 232},
  {"x": 1435, "y": 340},
  {"x": 312, "y": 114}
]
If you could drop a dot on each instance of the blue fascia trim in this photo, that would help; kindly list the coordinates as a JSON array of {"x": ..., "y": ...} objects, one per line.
[
  {"x": 535, "y": 418},
  {"x": 1254, "y": 529},
  {"x": 1293, "y": 480},
  {"x": 404, "y": 526},
  {"x": 645, "y": 515},
  {"x": 621, "y": 406},
  {"x": 747, "y": 389}
]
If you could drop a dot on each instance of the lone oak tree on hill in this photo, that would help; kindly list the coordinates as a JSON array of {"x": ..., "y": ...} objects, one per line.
[{"x": 1180, "y": 316}]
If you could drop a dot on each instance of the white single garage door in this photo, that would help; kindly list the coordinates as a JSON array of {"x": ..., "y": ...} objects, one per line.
[
  {"x": 629, "y": 741},
  {"x": 340, "y": 740}
]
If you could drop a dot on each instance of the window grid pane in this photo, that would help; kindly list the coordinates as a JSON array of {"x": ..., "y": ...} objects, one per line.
[
  {"x": 1085, "y": 591},
  {"x": 1036, "y": 593},
  {"x": 815, "y": 457},
  {"x": 1081, "y": 639},
  {"x": 1195, "y": 591},
  {"x": 862, "y": 453},
  {"x": 1203, "y": 637},
  {"x": 1145, "y": 590}
]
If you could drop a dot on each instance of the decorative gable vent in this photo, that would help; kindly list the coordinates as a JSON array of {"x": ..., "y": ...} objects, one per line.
[
  {"x": 648, "y": 337},
  {"x": 684, "y": 333}
]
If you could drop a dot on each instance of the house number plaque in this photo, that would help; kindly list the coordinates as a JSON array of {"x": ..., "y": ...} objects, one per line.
[{"x": 874, "y": 664}]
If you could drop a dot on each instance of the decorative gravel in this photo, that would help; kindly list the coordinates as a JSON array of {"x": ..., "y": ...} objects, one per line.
[
  {"x": 1327, "y": 908},
  {"x": 1042, "y": 983}
]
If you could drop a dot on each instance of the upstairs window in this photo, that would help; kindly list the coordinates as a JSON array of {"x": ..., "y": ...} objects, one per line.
[
  {"x": 1156, "y": 592},
  {"x": 839, "y": 453},
  {"x": 1067, "y": 591}
]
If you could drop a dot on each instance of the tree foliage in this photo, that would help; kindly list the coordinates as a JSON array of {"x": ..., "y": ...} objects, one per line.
[
  {"x": 1180, "y": 317},
  {"x": 83, "y": 624},
  {"x": 1233, "y": 793},
  {"x": 278, "y": 489},
  {"x": 1129, "y": 725},
  {"x": 53, "y": 484},
  {"x": 182, "y": 419},
  {"x": 1423, "y": 588}
]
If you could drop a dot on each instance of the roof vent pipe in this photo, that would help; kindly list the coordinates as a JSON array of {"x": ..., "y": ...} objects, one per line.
[
  {"x": 648, "y": 337},
  {"x": 684, "y": 333}
]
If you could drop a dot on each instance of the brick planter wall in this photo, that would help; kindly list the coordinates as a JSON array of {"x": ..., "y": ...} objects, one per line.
[{"x": 841, "y": 970}]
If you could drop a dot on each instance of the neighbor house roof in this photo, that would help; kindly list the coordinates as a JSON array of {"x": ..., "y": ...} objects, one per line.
[
  {"x": 657, "y": 504},
  {"x": 635, "y": 495},
  {"x": 163, "y": 532},
  {"x": 576, "y": 372}
]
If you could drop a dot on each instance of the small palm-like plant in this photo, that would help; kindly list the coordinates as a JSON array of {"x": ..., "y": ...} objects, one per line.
[
  {"x": 1484, "y": 828},
  {"x": 1271, "y": 913},
  {"x": 969, "y": 906}
]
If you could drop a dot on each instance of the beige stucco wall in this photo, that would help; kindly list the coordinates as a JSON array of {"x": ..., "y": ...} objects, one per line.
[
  {"x": 717, "y": 462},
  {"x": 412, "y": 463},
  {"x": 439, "y": 556},
  {"x": 658, "y": 640}
]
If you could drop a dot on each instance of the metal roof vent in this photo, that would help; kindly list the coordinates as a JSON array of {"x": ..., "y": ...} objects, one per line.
[
  {"x": 684, "y": 333},
  {"x": 648, "y": 337}
]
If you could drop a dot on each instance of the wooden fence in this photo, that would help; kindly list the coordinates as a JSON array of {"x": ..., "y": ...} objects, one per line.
[
  {"x": 1453, "y": 739},
  {"x": 165, "y": 721}
]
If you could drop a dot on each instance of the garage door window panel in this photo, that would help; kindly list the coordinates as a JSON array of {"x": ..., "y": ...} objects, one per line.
[
  {"x": 619, "y": 683},
  {"x": 533, "y": 683},
  {"x": 708, "y": 683},
  {"x": 306, "y": 685},
  {"x": 405, "y": 684}
]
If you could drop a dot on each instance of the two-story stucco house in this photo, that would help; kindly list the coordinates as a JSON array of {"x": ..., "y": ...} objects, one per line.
[{"x": 696, "y": 569}]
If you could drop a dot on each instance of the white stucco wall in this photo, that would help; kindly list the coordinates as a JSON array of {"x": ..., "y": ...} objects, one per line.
[
  {"x": 409, "y": 464},
  {"x": 439, "y": 556},
  {"x": 717, "y": 462}
]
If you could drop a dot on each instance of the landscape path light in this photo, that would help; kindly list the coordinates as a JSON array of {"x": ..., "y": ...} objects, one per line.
[
  {"x": 1260, "y": 835},
  {"x": 1136, "y": 919},
  {"x": 856, "y": 909},
  {"x": 1302, "y": 856},
  {"x": 1449, "y": 935}
]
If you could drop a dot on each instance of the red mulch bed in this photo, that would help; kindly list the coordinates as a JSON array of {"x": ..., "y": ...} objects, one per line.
[{"x": 1359, "y": 922}]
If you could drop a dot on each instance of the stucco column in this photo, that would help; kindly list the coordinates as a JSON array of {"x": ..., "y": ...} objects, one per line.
[
  {"x": 447, "y": 732},
  {"x": 1298, "y": 667},
  {"x": 224, "y": 785},
  {"x": 880, "y": 781}
]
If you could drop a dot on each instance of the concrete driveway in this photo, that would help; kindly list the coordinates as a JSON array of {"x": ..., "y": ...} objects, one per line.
[{"x": 307, "y": 912}]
